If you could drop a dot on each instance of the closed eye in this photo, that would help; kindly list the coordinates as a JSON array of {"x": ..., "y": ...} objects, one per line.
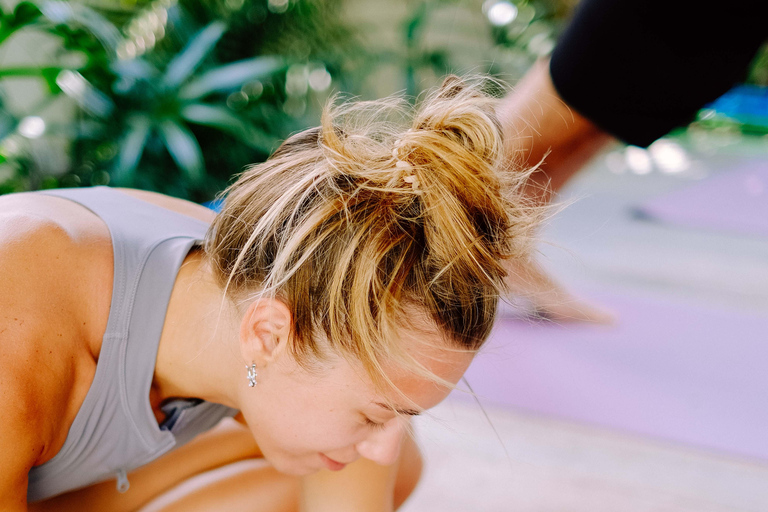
[{"x": 374, "y": 424}]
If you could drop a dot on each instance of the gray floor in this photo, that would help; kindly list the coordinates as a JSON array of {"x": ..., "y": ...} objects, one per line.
[
  {"x": 596, "y": 240},
  {"x": 554, "y": 465}
]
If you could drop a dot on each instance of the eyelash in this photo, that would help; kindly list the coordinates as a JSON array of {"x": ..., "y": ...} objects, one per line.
[{"x": 373, "y": 424}]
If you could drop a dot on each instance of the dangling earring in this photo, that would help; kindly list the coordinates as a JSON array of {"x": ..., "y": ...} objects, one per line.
[{"x": 251, "y": 374}]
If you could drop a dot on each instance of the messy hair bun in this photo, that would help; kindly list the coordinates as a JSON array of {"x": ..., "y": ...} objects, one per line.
[{"x": 357, "y": 221}]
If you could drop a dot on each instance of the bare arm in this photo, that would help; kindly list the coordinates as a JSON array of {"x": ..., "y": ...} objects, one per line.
[
  {"x": 363, "y": 486},
  {"x": 540, "y": 127},
  {"x": 538, "y": 123},
  {"x": 43, "y": 340},
  {"x": 21, "y": 422},
  {"x": 19, "y": 447},
  {"x": 223, "y": 445}
]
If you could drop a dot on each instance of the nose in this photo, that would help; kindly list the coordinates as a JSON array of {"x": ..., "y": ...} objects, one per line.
[{"x": 383, "y": 446}]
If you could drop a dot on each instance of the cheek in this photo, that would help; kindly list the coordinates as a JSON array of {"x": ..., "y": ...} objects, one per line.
[
  {"x": 298, "y": 423},
  {"x": 315, "y": 430}
]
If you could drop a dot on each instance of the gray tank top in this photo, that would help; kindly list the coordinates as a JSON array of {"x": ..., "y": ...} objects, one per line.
[{"x": 115, "y": 430}]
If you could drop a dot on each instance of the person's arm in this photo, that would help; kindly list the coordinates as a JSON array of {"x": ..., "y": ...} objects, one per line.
[
  {"x": 33, "y": 392},
  {"x": 363, "y": 486},
  {"x": 634, "y": 69},
  {"x": 19, "y": 446},
  {"x": 540, "y": 127}
]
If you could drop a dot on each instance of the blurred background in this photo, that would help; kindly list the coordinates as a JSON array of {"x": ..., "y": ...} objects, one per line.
[
  {"x": 664, "y": 410},
  {"x": 178, "y": 95}
]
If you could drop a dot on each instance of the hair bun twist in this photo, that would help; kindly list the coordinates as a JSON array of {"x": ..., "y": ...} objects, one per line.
[{"x": 455, "y": 150}]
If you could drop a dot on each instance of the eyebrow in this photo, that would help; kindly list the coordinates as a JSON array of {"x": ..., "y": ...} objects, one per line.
[{"x": 407, "y": 412}]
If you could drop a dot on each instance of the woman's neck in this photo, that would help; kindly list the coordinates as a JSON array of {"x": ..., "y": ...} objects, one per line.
[{"x": 198, "y": 354}]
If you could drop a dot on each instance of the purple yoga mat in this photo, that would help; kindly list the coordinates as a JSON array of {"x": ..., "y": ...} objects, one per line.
[
  {"x": 666, "y": 369},
  {"x": 734, "y": 201}
]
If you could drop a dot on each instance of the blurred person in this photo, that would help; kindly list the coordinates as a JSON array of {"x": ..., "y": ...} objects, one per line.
[
  {"x": 626, "y": 70},
  {"x": 344, "y": 287}
]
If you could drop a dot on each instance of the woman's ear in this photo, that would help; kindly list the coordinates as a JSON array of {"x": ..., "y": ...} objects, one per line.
[{"x": 264, "y": 331}]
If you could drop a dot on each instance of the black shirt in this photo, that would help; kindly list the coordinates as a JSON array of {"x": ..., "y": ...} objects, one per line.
[{"x": 638, "y": 68}]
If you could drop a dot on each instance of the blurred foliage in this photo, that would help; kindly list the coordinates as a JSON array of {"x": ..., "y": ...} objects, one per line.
[
  {"x": 758, "y": 74},
  {"x": 178, "y": 95},
  {"x": 498, "y": 37},
  {"x": 167, "y": 99}
]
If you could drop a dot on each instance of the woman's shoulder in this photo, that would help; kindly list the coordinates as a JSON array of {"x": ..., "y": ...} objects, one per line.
[
  {"x": 45, "y": 236},
  {"x": 56, "y": 256},
  {"x": 45, "y": 244},
  {"x": 56, "y": 263},
  {"x": 55, "y": 275},
  {"x": 174, "y": 204}
]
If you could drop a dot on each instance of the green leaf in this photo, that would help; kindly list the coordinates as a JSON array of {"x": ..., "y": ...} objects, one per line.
[
  {"x": 67, "y": 13},
  {"x": 223, "y": 119},
  {"x": 184, "y": 149},
  {"x": 29, "y": 71},
  {"x": 231, "y": 76},
  {"x": 134, "y": 69},
  {"x": 50, "y": 75},
  {"x": 7, "y": 123},
  {"x": 185, "y": 63},
  {"x": 25, "y": 13},
  {"x": 131, "y": 149},
  {"x": 92, "y": 100}
]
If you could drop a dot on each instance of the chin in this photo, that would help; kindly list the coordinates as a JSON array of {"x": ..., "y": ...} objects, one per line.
[{"x": 291, "y": 468}]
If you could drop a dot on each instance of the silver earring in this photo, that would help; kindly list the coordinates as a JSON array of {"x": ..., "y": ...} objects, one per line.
[{"x": 251, "y": 375}]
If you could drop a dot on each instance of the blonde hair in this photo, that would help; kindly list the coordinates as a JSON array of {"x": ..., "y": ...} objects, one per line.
[{"x": 355, "y": 221}]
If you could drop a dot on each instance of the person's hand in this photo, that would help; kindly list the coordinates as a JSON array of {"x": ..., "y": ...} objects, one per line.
[{"x": 535, "y": 294}]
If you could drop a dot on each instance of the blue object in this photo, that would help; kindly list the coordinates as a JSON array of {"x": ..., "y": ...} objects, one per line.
[
  {"x": 747, "y": 104},
  {"x": 214, "y": 205}
]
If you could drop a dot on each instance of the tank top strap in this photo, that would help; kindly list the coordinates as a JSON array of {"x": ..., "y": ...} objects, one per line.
[{"x": 136, "y": 227}]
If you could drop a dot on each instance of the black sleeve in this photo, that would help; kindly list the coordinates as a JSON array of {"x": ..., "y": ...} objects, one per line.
[{"x": 638, "y": 68}]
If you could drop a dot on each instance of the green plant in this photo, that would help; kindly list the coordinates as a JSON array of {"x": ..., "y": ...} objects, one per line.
[
  {"x": 167, "y": 99},
  {"x": 438, "y": 37}
]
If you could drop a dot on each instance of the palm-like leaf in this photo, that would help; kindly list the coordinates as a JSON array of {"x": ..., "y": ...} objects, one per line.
[
  {"x": 185, "y": 63},
  {"x": 74, "y": 13},
  {"x": 230, "y": 76},
  {"x": 184, "y": 149},
  {"x": 223, "y": 119},
  {"x": 131, "y": 148},
  {"x": 164, "y": 93}
]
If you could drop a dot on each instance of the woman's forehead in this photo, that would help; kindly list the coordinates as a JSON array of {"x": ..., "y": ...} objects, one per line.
[
  {"x": 409, "y": 389},
  {"x": 416, "y": 379}
]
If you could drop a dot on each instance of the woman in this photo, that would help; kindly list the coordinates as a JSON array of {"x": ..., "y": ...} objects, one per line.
[{"x": 345, "y": 287}]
